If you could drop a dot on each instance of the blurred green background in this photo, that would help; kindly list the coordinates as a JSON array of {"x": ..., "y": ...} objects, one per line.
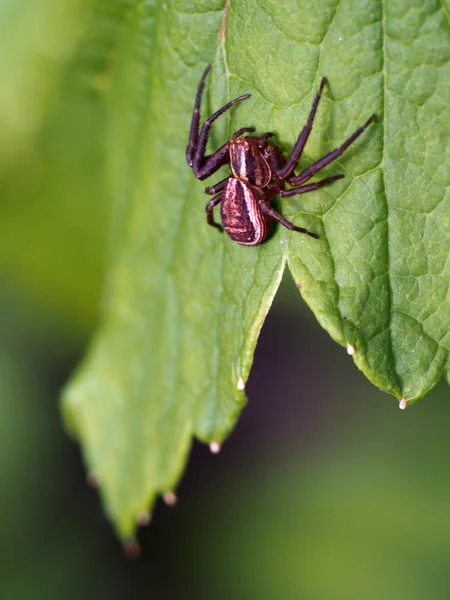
[{"x": 326, "y": 490}]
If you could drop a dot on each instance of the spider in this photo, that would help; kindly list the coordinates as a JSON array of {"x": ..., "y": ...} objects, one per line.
[{"x": 259, "y": 172}]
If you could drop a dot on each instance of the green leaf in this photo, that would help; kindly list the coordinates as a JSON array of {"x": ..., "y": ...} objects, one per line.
[{"x": 184, "y": 305}]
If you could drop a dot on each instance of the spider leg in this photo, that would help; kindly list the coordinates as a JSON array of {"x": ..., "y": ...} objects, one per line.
[
  {"x": 204, "y": 166},
  {"x": 308, "y": 188},
  {"x": 193, "y": 134},
  {"x": 293, "y": 159},
  {"x": 217, "y": 187},
  {"x": 325, "y": 160},
  {"x": 269, "y": 211},
  {"x": 242, "y": 130},
  {"x": 267, "y": 135},
  {"x": 209, "y": 211}
]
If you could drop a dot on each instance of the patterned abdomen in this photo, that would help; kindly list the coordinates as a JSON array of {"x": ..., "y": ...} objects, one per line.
[{"x": 241, "y": 213}]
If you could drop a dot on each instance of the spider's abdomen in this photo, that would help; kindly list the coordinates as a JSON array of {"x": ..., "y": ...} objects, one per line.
[
  {"x": 241, "y": 213},
  {"x": 248, "y": 163}
]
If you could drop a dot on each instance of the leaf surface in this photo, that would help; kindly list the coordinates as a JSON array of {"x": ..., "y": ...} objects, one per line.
[{"x": 184, "y": 305}]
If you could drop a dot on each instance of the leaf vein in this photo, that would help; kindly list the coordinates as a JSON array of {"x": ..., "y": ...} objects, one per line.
[{"x": 384, "y": 191}]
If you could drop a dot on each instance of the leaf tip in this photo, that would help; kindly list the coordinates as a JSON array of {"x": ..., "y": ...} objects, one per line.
[
  {"x": 170, "y": 498},
  {"x": 143, "y": 518},
  {"x": 350, "y": 349},
  {"x": 215, "y": 447},
  {"x": 403, "y": 404},
  {"x": 91, "y": 481},
  {"x": 131, "y": 548}
]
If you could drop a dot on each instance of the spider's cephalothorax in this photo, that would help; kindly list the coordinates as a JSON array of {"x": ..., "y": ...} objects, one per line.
[{"x": 259, "y": 173}]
